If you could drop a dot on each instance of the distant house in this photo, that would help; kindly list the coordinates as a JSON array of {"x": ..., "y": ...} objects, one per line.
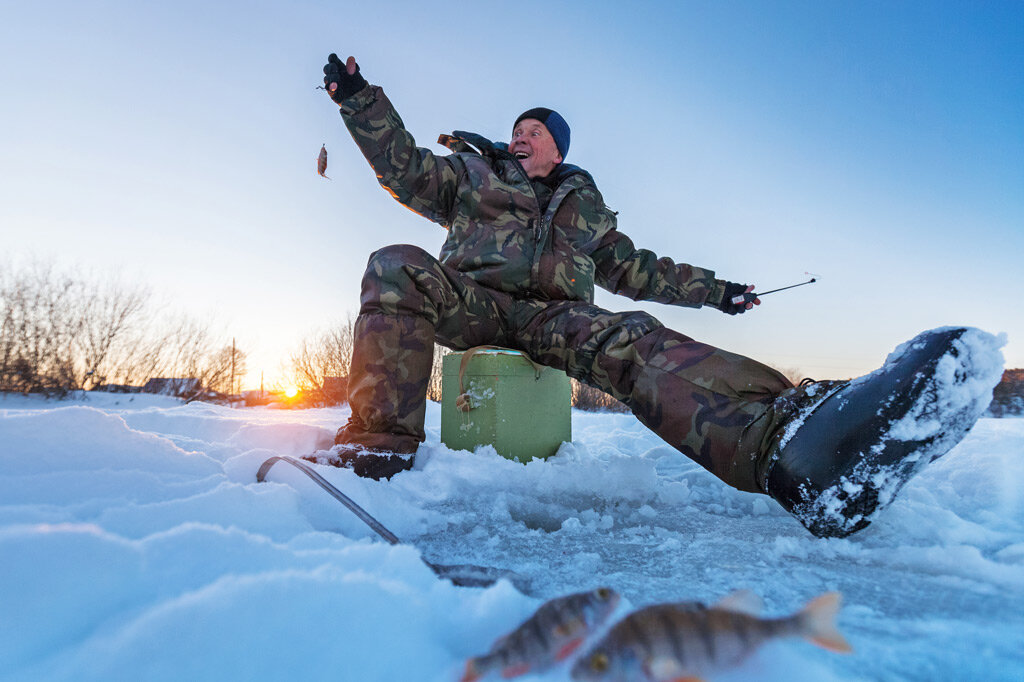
[
  {"x": 117, "y": 388},
  {"x": 175, "y": 387},
  {"x": 256, "y": 397}
]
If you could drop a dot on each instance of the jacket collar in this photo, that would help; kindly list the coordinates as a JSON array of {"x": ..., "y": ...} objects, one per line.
[{"x": 462, "y": 141}]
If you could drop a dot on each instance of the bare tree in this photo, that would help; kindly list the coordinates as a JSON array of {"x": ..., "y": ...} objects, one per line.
[
  {"x": 63, "y": 331},
  {"x": 322, "y": 355},
  {"x": 10, "y": 309},
  {"x": 222, "y": 369},
  {"x": 109, "y": 312},
  {"x": 39, "y": 325}
]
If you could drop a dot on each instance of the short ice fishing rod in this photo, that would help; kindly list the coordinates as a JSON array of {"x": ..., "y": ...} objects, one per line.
[
  {"x": 738, "y": 300},
  {"x": 466, "y": 575}
]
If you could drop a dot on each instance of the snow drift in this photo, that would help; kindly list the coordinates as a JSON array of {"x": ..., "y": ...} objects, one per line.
[{"x": 136, "y": 544}]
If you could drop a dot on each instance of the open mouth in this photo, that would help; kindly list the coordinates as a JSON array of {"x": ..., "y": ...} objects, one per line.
[{"x": 522, "y": 155}]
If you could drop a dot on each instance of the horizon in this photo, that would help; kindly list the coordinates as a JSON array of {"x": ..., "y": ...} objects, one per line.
[{"x": 879, "y": 147}]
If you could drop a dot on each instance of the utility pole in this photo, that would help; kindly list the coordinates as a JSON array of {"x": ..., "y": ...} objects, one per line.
[{"x": 231, "y": 391}]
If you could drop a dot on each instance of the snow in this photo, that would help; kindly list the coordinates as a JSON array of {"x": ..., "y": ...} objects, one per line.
[
  {"x": 957, "y": 391},
  {"x": 136, "y": 544}
]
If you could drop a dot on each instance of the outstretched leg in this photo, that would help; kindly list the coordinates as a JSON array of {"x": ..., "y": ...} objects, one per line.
[
  {"x": 704, "y": 401},
  {"x": 832, "y": 453}
]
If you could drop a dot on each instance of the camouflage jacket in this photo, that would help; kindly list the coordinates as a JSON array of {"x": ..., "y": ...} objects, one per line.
[{"x": 497, "y": 233}]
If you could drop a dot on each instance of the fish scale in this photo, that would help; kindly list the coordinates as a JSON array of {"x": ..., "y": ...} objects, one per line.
[
  {"x": 551, "y": 634},
  {"x": 666, "y": 642}
]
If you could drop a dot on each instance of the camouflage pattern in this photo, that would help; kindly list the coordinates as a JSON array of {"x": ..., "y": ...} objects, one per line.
[
  {"x": 388, "y": 381},
  {"x": 706, "y": 402},
  {"x": 511, "y": 276},
  {"x": 497, "y": 233}
]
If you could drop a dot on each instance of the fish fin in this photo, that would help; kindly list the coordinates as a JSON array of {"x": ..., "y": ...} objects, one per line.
[
  {"x": 566, "y": 649},
  {"x": 819, "y": 623},
  {"x": 740, "y": 601},
  {"x": 515, "y": 670},
  {"x": 472, "y": 672}
]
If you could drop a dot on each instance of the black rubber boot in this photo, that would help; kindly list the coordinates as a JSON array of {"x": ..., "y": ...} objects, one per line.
[
  {"x": 843, "y": 457},
  {"x": 365, "y": 462},
  {"x": 370, "y": 463}
]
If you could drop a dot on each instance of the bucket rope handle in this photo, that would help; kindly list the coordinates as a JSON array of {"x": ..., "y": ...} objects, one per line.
[{"x": 463, "y": 403}]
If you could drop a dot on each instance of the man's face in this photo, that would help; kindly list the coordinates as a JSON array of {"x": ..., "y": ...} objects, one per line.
[{"x": 533, "y": 145}]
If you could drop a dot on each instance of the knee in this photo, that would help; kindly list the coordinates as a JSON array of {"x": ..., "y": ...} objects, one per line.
[
  {"x": 393, "y": 263},
  {"x": 627, "y": 330},
  {"x": 401, "y": 280},
  {"x": 611, "y": 338}
]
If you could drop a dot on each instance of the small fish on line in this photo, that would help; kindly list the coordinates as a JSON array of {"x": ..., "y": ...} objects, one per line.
[
  {"x": 550, "y": 635},
  {"x": 668, "y": 642},
  {"x": 321, "y": 162}
]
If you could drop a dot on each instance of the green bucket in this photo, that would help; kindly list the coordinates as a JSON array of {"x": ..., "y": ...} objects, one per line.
[{"x": 504, "y": 399}]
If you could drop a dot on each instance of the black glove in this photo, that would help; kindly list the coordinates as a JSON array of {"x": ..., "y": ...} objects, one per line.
[
  {"x": 335, "y": 73},
  {"x": 740, "y": 293}
]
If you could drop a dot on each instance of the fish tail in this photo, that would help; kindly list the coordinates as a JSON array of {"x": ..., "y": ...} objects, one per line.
[{"x": 818, "y": 623}]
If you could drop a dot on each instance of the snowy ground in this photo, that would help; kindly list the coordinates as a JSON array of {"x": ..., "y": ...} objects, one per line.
[{"x": 135, "y": 544}]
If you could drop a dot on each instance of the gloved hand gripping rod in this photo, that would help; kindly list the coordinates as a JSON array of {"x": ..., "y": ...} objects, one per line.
[{"x": 741, "y": 298}]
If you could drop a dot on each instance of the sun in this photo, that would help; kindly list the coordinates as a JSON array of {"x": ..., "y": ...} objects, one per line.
[{"x": 291, "y": 391}]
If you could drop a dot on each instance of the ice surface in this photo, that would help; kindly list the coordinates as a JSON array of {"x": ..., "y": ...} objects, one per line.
[{"x": 135, "y": 544}]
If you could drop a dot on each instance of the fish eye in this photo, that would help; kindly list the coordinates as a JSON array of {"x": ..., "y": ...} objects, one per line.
[{"x": 599, "y": 662}]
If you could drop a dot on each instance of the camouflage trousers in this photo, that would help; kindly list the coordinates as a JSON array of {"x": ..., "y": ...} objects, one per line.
[{"x": 713, "y": 406}]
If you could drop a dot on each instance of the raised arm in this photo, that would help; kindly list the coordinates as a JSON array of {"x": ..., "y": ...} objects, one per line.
[{"x": 415, "y": 176}]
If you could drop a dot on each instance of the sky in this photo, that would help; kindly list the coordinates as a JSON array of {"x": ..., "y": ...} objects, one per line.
[{"x": 878, "y": 146}]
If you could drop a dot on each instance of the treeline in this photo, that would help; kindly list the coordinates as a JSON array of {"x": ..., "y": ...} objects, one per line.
[
  {"x": 326, "y": 355},
  {"x": 65, "y": 331}
]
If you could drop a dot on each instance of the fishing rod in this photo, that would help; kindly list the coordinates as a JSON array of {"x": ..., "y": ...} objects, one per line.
[
  {"x": 812, "y": 280},
  {"x": 466, "y": 575},
  {"x": 738, "y": 300}
]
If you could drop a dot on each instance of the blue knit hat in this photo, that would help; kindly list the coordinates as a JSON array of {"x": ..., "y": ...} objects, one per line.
[{"x": 555, "y": 124}]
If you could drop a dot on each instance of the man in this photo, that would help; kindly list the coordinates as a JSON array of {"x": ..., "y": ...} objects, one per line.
[{"x": 528, "y": 238}]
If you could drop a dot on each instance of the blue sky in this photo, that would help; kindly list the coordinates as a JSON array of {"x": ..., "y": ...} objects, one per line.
[{"x": 877, "y": 145}]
